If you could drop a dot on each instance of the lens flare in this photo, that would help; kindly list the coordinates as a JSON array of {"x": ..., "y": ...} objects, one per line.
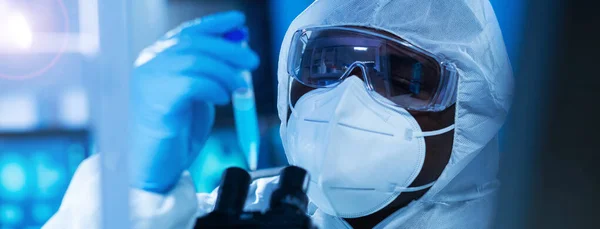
[{"x": 16, "y": 29}]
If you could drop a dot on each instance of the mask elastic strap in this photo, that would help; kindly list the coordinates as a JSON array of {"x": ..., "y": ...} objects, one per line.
[
  {"x": 289, "y": 100},
  {"x": 413, "y": 189},
  {"x": 294, "y": 113},
  {"x": 433, "y": 133},
  {"x": 390, "y": 188}
]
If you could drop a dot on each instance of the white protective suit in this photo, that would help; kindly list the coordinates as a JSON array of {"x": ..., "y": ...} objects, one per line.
[{"x": 465, "y": 31}]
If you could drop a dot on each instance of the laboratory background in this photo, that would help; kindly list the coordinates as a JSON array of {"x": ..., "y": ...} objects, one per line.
[{"x": 58, "y": 60}]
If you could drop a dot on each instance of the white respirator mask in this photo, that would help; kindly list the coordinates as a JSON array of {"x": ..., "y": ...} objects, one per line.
[{"x": 361, "y": 154}]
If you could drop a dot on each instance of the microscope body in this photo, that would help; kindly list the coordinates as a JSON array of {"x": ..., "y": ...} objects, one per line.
[{"x": 287, "y": 205}]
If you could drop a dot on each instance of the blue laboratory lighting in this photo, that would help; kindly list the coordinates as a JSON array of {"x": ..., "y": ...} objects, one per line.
[
  {"x": 35, "y": 170},
  {"x": 76, "y": 154},
  {"x": 50, "y": 175},
  {"x": 13, "y": 176},
  {"x": 11, "y": 214},
  {"x": 42, "y": 212},
  {"x": 219, "y": 152}
]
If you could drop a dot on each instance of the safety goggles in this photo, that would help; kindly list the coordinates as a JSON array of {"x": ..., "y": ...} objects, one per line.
[{"x": 395, "y": 71}]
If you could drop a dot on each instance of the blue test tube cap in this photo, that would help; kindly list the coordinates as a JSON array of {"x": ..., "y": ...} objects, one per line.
[{"x": 237, "y": 35}]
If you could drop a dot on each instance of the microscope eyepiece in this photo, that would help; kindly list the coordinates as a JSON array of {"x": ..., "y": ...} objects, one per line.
[
  {"x": 233, "y": 191},
  {"x": 293, "y": 184},
  {"x": 287, "y": 208}
]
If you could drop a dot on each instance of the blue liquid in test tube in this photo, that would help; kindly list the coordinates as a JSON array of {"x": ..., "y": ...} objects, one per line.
[{"x": 244, "y": 109}]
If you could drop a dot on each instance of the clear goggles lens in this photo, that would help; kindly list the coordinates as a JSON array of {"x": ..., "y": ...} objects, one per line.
[{"x": 403, "y": 74}]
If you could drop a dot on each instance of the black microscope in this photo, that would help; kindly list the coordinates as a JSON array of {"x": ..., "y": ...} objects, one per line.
[{"x": 287, "y": 206}]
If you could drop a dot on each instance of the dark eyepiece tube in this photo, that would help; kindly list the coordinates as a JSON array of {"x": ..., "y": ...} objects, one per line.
[
  {"x": 291, "y": 192},
  {"x": 233, "y": 191},
  {"x": 293, "y": 178}
]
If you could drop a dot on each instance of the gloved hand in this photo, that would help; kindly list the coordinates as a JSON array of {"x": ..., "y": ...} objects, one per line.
[{"x": 176, "y": 83}]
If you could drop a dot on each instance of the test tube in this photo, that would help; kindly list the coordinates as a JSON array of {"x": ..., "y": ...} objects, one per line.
[{"x": 244, "y": 109}]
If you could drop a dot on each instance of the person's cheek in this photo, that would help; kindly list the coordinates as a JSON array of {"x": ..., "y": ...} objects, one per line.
[
  {"x": 439, "y": 149},
  {"x": 428, "y": 121}
]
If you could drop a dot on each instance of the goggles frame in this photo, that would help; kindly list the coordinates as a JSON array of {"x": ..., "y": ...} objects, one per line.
[{"x": 444, "y": 96}]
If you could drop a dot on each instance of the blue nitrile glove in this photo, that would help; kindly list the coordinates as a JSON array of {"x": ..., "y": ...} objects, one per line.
[{"x": 175, "y": 84}]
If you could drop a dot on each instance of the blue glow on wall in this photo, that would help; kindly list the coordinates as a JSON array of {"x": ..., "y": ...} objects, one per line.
[
  {"x": 13, "y": 176},
  {"x": 35, "y": 170},
  {"x": 42, "y": 212},
  {"x": 510, "y": 14},
  {"x": 11, "y": 214},
  {"x": 220, "y": 152}
]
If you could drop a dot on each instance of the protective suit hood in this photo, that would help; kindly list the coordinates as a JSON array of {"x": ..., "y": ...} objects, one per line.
[{"x": 467, "y": 33}]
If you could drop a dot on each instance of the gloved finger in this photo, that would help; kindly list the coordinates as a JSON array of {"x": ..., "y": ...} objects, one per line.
[
  {"x": 198, "y": 66},
  {"x": 232, "y": 53},
  {"x": 203, "y": 119},
  {"x": 208, "y": 90},
  {"x": 175, "y": 89},
  {"x": 221, "y": 72},
  {"x": 215, "y": 24}
]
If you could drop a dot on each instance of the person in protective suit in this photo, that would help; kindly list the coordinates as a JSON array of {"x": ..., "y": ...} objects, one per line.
[{"x": 392, "y": 106}]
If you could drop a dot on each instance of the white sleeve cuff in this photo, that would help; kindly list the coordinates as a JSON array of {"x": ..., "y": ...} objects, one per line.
[{"x": 81, "y": 206}]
